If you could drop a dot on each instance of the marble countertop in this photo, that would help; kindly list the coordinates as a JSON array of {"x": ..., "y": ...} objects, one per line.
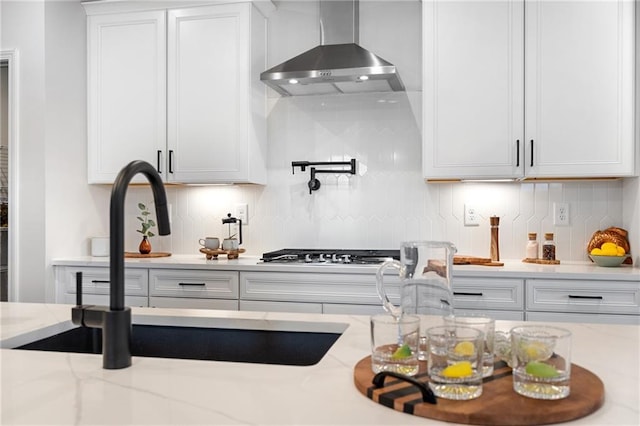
[
  {"x": 511, "y": 268},
  {"x": 60, "y": 388}
]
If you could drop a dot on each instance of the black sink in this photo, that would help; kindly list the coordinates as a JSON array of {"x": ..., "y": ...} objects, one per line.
[{"x": 202, "y": 343}]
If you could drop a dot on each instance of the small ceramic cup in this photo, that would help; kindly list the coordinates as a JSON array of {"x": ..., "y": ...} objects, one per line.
[
  {"x": 230, "y": 244},
  {"x": 211, "y": 243}
]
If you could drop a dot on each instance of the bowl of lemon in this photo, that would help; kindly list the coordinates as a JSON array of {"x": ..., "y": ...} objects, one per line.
[{"x": 608, "y": 255}]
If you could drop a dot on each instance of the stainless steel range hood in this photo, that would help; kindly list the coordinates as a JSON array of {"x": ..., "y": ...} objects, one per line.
[{"x": 338, "y": 64}]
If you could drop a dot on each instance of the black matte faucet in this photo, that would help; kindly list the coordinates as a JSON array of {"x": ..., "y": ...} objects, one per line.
[{"x": 115, "y": 320}]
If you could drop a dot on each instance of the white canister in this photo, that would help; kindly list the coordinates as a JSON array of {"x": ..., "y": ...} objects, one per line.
[{"x": 100, "y": 246}]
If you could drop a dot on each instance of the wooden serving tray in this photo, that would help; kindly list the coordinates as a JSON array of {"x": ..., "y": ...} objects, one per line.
[
  {"x": 498, "y": 405},
  {"x": 213, "y": 254},
  {"x": 541, "y": 261},
  {"x": 152, "y": 254}
]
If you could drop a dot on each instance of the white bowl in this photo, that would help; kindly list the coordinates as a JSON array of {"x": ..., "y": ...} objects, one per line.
[{"x": 608, "y": 261}]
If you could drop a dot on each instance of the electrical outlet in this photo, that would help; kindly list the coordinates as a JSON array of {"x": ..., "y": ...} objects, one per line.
[
  {"x": 471, "y": 216},
  {"x": 561, "y": 214},
  {"x": 242, "y": 213}
]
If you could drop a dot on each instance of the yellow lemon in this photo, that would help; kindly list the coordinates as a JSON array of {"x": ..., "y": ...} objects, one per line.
[
  {"x": 621, "y": 251},
  {"x": 609, "y": 249},
  {"x": 535, "y": 351},
  {"x": 464, "y": 349},
  {"x": 596, "y": 252},
  {"x": 459, "y": 369}
]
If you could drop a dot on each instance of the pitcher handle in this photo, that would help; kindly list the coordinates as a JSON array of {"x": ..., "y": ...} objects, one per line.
[{"x": 396, "y": 311}]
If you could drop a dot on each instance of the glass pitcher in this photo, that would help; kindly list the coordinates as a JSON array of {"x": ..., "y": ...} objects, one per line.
[{"x": 425, "y": 269}]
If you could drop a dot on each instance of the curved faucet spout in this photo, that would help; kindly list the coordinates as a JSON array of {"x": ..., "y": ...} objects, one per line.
[{"x": 116, "y": 218}]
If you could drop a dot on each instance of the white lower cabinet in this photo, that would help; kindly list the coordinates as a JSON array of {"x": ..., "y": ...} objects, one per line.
[
  {"x": 96, "y": 285},
  {"x": 511, "y": 299},
  {"x": 303, "y": 292},
  {"x": 500, "y": 298},
  {"x": 584, "y": 301},
  {"x": 198, "y": 289}
]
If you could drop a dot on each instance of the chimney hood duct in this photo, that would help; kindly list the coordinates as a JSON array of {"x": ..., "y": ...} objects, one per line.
[{"x": 338, "y": 64}]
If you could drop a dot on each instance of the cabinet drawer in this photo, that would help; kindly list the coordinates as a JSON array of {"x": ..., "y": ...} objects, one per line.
[
  {"x": 96, "y": 280},
  {"x": 191, "y": 283},
  {"x": 488, "y": 293},
  {"x": 319, "y": 288},
  {"x": 611, "y": 297}
]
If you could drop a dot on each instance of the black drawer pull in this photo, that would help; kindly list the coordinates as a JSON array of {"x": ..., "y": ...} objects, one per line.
[
  {"x": 464, "y": 293},
  {"x": 571, "y": 296},
  {"x": 518, "y": 153},
  {"x": 193, "y": 284},
  {"x": 100, "y": 281}
]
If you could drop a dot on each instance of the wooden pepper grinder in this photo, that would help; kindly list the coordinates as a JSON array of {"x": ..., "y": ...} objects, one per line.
[{"x": 495, "y": 248}]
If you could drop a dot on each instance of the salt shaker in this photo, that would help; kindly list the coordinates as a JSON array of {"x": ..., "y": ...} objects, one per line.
[{"x": 532, "y": 246}]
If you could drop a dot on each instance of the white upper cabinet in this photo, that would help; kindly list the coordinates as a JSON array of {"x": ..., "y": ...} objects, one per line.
[
  {"x": 126, "y": 91},
  {"x": 180, "y": 89},
  {"x": 579, "y": 83},
  {"x": 528, "y": 89},
  {"x": 213, "y": 133}
]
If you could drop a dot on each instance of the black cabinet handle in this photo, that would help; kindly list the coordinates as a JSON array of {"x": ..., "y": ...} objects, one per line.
[
  {"x": 193, "y": 284},
  {"x": 518, "y": 153},
  {"x": 571, "y": 296},
  {"x": 531, "y": 153},
  {"x": 100, "y": 281},
  {"x": 464, "y": 293},
  {"x": 159, "y": 157},
  {"x": 170, "y": 161},
  {"x": 78, "y": 288}
]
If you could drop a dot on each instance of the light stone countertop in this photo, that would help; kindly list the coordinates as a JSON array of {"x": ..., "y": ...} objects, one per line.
[
  {"x": 59, "y": 388},
  {"x": 511, "y": 268}
]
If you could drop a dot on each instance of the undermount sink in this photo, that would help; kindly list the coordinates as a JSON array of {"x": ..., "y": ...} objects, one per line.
[{"x": 212, "y": 339}]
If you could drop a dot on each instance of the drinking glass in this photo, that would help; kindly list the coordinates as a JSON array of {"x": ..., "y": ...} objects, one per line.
[
  {"x": 455, "y": 361},
  {"x": 485, "y": 324},
  {"x": 541, "y": 361},
  {"x": 394, "y": 344}
]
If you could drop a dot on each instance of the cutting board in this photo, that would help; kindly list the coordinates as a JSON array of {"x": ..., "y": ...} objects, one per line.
[
  {"x": 152, "y": 254},
  {"x": 498, "y": 405},
  {"x": 474, "y": 260}
]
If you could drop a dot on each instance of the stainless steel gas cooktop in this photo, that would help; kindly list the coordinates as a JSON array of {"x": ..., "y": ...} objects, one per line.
[{"x": 331, "y": 256}]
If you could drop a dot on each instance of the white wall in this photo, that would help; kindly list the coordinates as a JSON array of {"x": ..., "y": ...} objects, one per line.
[
  {"x": 385, "y": 203},
  {"x": 23, "y": 28}
]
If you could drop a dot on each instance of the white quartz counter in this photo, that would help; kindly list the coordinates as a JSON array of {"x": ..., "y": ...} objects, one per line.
[
  {"x": 59, "y": 388},
  {"x": 511, "y": 268}
]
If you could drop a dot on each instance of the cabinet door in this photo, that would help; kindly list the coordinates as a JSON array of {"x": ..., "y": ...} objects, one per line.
[
  {"x": 127, "y": 92},
  {"x": 473, "y": 89},
  {"x": 208, "y": 92},
  {"x": 579, "y": 88}
]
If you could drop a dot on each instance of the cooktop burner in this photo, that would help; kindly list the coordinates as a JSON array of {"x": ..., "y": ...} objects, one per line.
[{"x": 331, "y": 256}]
